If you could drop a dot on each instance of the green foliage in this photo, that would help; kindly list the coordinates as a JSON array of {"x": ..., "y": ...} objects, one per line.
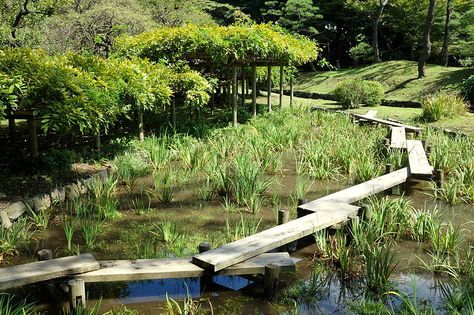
[
  {"x": 8, "y": 306},
  {"x": 468, "y": 89},
  {"x": 361, "y": 52},
  {"x": 355, "y": 92},
  {"x": 222, "y": 45},
  {"x": 443, "y": 105},
  {"x": 11, "y": 88}
]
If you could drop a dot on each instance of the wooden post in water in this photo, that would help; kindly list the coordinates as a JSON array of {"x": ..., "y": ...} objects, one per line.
[
  {"x": 269, "y": 87},
  {"x": 44, "y": 254},
  {"x": 77, "y": 293},
  {"x": 234, "y": 96},
  {"x": 254, "y": 91},
  {"x": 33, "y": 138},
  {"x": 282, "y": 219},
  {"x": 282, "y": 75},
  {"x": 291, "y": 91},
  {"x": 388, "y": 170},
  {"x": 439, "y": 178},
  {"x": 206, "y": 280},
  {"x": 141, "y": 132},
  {"x": 271, "y": 280}
]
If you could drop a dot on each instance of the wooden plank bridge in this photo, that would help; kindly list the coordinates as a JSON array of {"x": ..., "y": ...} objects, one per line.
[{"x": 247, "y": 256}]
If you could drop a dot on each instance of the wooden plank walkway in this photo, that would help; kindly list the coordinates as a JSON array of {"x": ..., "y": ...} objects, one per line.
[
  {"x": 243, "y": 249},
  {"x": 398, "y": 138},
  {"x": 417, "y": 159},
  {"x": 147, "y": 269},
  {"x": 361, "y": 191},
  {"x": 11, "y": 277},
  {"x": 388, "y": 123}
]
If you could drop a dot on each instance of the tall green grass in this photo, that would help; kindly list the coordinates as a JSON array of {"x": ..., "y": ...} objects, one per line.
[
  {"x": 443, "y": 105},
  {"x": 8, "y": 306}
]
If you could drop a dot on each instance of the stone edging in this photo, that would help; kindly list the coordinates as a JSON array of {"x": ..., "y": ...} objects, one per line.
[{"x": 42, "y": 202}]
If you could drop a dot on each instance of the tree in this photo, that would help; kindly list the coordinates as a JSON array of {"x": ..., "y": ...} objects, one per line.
[
  {"x": 446, "y": 38},
  {"x": 300, "y": 16},
  {"x": 426, "y": 39},
  {"x": 378, "y": 15}
]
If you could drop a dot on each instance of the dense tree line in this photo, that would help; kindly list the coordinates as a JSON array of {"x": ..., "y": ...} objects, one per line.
[{"x": 360, "y": 31}]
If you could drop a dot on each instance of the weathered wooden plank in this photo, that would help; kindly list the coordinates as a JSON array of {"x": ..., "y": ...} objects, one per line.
[
  {"x": 398, "y": 138},
  {"x": 326, "y": 206},
  {"x": 388, "y": 123},
  {"x": 168, "y": 268},
  {"x": 371, "y": 114},
  {"x": 240, "y": 250},
  {"x": 417, "y": 159},
  {"x": 16, "y": 276},
  {"x": 366, "y": 189}
]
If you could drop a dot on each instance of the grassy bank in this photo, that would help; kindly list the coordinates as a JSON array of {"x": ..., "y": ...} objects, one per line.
[{"x": 398, "y": 77}]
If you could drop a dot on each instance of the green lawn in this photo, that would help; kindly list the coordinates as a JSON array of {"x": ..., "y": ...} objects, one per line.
[{"x": 398, "y": 77}]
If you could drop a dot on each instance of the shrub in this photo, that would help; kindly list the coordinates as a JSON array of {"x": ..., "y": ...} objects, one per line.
[
  {"x": 443, "y": 105},
  {"x": 468, "y": 89},
  {"x": 353, "y": 93}
]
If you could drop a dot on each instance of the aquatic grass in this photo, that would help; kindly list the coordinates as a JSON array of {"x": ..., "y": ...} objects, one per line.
[
  {"x": 189, "y": 306},
  {"x": 247, "y": 179},
  {"x": 164, "y": 187},
  {"x": 129, "y": 167},
  {"x": 229, "y": 206},
  {"x": 380, "y": 263},
  {"x": 321, "y": 240},
  {"x": 254, "y": 204},
  {"x": 16, "y": 238},
  {"x": 83, "y": 207},
  {"x": 8, "y": 305},
  {"x": 40, "y": 219},
  {"x": 107, "y": 208},
  {"x": 90, "y": 232},
  {"x": 422, "y": 224},
  {"x": 168, "y": 231},
  {"x": 445, "y": 238},
  {"x": 69, "y": 227},
  {"x": 207, "y": 190},
  {"x": 157, "y": 150},
  {"x": 397, "y": 158},
  {"x": 140, "y": 206},
  {"x": 410, "y": 304},
  {"x": 302, "y": 188},
  {"x": 364, "y": 169},
  {"x": 243, "y": 228},
  {"x": 99, "y": 188}
]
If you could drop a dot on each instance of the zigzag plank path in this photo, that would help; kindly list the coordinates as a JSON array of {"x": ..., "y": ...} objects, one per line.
[
  {"x": 417, "y": 159},
  {"x": 398, "y": 138},
  {"x": 168, "y": 268},
  {"x": 388, "y": 123},
  {"x": 240, "y": 250},
  {"x": 11, "y": 277}
]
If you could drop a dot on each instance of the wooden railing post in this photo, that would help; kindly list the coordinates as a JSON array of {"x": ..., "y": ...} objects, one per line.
[
  {"x": 269, "y": 87},
  {"x": 234, "y": 96},
  {"x": 282, "y": 75},
  {"x": 141, "y": 132},
  {"x": 254, "y": 91},
  {"x": 282, "y": 219}
]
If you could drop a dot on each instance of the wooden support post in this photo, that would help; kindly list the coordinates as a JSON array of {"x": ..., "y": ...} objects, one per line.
[
  {"x": 33, "y": 138},
  {"x": 271, "y": 280},
  {"x": 386, "y": 143},
  {"x": 12, "y": 130},
  {"x": 242, "y": 83},
  {"x": 213, "y": 103},
  {"x": 234, "y": 96},
  {"x": 44, "y": 254},
  {"x": 141, "y": 132},
  {"x": 282, "y": 219},
  {"x": 388, "y": 170},
  {"x": 77, "y": 293},
  {"x": 439, "y": 178},
  {"x": 365, "y": 212},
  {"x": 269, "y": 87},
  {"x": 291, "y": 91},
  {"x": 206, "y": 279},
  {"x": 254, "y": 91},
  {"x": 301, "y": 201},
  {"x": 282, "y": 75}
]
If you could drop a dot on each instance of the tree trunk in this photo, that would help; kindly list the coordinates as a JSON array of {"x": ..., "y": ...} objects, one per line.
[
  {"x": 378, "y": 15},
  {"x": 443, "y": 60},
  {"x": 426, "y": 40}
]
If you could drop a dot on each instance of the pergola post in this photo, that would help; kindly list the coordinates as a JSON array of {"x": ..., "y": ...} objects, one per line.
[
  {"x": 254, "y": 91},
  {"x": 33, "y": 137},
  {"x": 141, "y": 132},
  {"x": 97, "y": 141},
  {"x": 173, "y": 113},
  {"x": 243, "y": 86},
  {"x": 269, "y": 96},
  {"x": 291, "y": 91},
  {"x": 282, "y": 74},
  {"x": 234, "y": 95}
]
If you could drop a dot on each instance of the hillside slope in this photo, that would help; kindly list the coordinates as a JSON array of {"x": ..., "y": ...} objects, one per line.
[{"x": 399, "y": 78}]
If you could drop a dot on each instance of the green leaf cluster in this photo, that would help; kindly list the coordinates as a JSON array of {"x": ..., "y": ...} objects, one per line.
[{"x": 219, "y": 44}]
